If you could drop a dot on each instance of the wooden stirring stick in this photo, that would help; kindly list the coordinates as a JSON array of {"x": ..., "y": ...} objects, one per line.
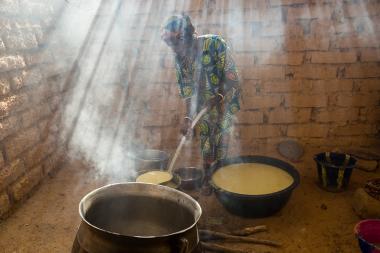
[
  {"x": 218, "y": 248},
  {"x": 212, "y": 235},
  {"x": 183, "y": 139},
  {"x": 250, "y": 230}
]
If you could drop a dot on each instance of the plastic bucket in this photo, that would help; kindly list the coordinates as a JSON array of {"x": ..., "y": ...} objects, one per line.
[
  {"x": 334, "y": 170},
  {"x": 368, "y": 234}
]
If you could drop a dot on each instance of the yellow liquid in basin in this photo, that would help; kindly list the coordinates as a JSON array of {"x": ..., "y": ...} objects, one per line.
[
  {"x": 154, "y": 177},
  {"x": 252, "y": 178}
]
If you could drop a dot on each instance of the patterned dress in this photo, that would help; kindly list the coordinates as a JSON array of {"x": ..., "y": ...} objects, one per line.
[{"x": 210, "y": 72}]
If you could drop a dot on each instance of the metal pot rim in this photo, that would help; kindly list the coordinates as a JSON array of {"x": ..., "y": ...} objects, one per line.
[
  {"x": 197, "y": 212},
  {"x": 199, "y": 176},
  {"x": 162, "y": 155}
]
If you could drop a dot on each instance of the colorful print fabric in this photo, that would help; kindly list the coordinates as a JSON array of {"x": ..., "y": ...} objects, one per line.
[{"x": 211, "y": 72}]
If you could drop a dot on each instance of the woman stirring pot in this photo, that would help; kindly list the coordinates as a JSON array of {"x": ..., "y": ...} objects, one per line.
[{"x": 207, "y": 77}]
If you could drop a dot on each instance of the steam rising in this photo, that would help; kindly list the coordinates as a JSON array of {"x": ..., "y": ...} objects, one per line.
[
  {"x": 96, "y": 111},
  {"x": 120, "y": 53},
  {"x": 116, "y": 52}
]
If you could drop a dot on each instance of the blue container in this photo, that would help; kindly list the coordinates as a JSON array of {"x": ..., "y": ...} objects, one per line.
[{"x": 334, "y": 170}]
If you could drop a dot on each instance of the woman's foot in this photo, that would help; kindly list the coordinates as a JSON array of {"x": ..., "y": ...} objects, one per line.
[{"x": 206, "y": 189}]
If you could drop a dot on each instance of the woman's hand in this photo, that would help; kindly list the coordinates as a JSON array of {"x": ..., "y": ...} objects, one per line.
[
  {"x": 218, "y": 102},
  {"x": 186, "y": 127},
  {"x": 212, "y": 102}
]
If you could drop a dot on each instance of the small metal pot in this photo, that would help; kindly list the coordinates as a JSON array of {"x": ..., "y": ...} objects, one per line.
[
  {"x": 137, "y": 218},
  {"x": 190, "y": 177},
  {"x": 151, "y": 159}
]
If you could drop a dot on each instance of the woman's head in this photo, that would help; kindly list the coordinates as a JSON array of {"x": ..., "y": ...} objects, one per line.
[{"x": 178, "y": 32}]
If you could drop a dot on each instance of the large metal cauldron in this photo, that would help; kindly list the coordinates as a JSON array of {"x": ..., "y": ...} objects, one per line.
[{"x": 137, "y": 218}]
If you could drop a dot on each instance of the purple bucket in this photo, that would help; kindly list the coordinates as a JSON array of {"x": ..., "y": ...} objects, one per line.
[{"x": 368, "y": 234}]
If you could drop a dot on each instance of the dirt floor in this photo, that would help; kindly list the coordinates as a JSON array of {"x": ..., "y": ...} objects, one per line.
[{"x": 312, "y": 221}]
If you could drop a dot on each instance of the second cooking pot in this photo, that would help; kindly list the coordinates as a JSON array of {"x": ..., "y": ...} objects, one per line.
[{"x": 261, "y": 205}]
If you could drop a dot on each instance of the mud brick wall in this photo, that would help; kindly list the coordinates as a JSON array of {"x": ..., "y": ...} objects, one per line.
[
  {"x": 310, "y": 71},
  {"x": 30, "y": 95}
]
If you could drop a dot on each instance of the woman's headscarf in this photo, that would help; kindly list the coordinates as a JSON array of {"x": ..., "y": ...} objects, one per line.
[{"x": 179, "y": 26}]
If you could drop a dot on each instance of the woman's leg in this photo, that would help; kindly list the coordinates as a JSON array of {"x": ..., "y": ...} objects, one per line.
[
  {"x": 221, "y": 146},
  {"x": 208, "y": 155}
]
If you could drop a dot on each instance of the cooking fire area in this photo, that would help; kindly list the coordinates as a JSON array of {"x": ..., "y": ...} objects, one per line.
[{"x": 309, "y": 221}]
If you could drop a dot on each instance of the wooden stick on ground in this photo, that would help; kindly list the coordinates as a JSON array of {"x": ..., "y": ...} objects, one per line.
[
  {"x": 212, "y": 235},
  {"x": 249, "y": 230},
  {"x": 218, "y": 248}
]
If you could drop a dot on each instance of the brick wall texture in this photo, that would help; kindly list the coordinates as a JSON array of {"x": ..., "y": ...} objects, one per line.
[
  {"x": 29, "y": 150},
  {"x": 309, "y": 69}
]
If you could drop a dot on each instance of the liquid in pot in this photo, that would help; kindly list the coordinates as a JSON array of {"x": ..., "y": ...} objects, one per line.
[
  {"x": 252, "y": 178},
  {"x": 154, "y": 177},
  {"x": 139, "y": 216}
]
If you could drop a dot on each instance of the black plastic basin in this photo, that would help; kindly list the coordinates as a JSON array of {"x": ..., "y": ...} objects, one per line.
[{"x": 255, "y": 205}]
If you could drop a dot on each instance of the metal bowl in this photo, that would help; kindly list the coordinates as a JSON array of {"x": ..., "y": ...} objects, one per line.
[
  {"x": 191, "y": 177},
  {"x": 151, "y": 159},
  {"x": 255, "y": 205}
]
